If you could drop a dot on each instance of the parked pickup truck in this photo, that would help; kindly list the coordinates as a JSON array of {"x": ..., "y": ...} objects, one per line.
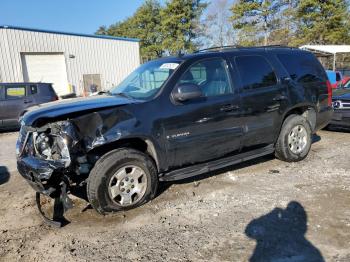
[{"x": 174, "y": 118}]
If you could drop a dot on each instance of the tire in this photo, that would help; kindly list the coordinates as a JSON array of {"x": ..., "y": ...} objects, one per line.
[
  {"x": 117, "y": 174},
  {"x": 291, "y": 148}
]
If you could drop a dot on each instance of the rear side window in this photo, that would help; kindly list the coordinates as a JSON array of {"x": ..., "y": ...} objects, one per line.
[
  {"x": 15, "y": 92},
  {"x": 303, "y": 67},
  {"x": 255, "y": 72}
]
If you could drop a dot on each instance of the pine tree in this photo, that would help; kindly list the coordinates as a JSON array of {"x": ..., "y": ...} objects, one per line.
[
  {"x": 256, "y": 20},
  {"x": 168, "y": 29},
  {"x": 144, "y": 25},
  {"x": 179, "y": 24},
  {"x": 322, "y": 22}
]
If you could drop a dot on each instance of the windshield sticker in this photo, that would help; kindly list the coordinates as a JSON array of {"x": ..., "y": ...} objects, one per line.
[{"x": 172, "y": 66}]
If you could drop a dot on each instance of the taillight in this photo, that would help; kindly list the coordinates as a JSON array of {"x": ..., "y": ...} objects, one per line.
[{"x": 330, "y": 92}]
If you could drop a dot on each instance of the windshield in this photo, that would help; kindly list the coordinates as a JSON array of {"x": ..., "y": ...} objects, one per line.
[{"x": 145, "y": 82}]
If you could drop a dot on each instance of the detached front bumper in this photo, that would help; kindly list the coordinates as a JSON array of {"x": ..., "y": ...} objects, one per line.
[
  {"x": 341, "y": 118},
  {"x": 40, "y": 174},
  {"x": 44, "y": 176}
]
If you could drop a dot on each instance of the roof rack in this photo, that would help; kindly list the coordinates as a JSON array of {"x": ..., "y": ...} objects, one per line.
[
  {"x": 217, "y": 48},
  {"x": 221, "y": 48}
]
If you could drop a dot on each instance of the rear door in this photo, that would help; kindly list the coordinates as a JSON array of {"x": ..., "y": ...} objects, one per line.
[
  {"x": 263, "y": 97},
  {"x": 13, "y": 104}
]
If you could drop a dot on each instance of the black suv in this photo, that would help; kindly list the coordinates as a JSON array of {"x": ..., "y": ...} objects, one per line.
[
  {"x": 16, "y": 98},
  {"x": 174, "y": 118}
]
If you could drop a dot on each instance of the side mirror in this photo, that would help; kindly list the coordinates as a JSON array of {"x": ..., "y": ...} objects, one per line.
[
  {"x": 286, "y": 80},
  {"x": 186, "y": 92}
]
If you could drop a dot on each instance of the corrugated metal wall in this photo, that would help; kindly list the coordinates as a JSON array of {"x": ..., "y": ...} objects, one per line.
[{"x": 113, "y": 59}]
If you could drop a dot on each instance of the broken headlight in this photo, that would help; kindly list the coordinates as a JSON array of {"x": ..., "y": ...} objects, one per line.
[{"x": 51, "y": 147}]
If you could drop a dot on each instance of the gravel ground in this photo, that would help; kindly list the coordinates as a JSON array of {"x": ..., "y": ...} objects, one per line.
[{"x": 263, "y": 210}]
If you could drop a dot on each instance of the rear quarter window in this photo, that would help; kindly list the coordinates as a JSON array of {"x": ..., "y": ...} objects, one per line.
[
  {"x": 46, "y": 89},
  {"x": 51, "y": 90},
  {"x": 303, "y": 67}
]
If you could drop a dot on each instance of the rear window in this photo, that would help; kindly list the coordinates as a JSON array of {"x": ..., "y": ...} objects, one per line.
[
  {"x": 15, "y": 92},
  {"x": 255, "y": 72},
  {"x": 303, "y": 67}
]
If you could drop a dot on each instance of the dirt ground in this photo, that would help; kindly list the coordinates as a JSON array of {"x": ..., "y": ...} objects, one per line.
[{"x": 263, "y": 210}]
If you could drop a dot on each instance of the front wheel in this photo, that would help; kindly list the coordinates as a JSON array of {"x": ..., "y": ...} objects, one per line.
[
  {"x": 295, "y": 139},
  {"x": 122, "y": 179}
]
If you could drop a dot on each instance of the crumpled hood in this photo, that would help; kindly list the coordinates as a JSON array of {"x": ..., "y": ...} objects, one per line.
[{"x": 74, "y": 105}]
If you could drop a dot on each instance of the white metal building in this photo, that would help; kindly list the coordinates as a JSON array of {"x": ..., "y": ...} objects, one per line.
[{"x": 72, "y": 62}]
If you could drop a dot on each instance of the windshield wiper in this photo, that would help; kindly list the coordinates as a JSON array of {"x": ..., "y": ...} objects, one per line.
[
  {"x": 104, "y": 92},
  {"x": 122, "y": 94}
]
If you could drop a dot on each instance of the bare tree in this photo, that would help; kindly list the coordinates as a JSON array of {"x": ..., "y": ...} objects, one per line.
[{"x": 216, "y": 27}]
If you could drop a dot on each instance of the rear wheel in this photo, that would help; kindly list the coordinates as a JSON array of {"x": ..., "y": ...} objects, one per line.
[
  {"x": 122, "y": 179},
  {"x": 295, "y": 139}
]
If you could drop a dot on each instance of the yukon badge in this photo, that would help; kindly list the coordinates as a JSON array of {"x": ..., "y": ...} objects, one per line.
[{"x": 178, "y": 135}]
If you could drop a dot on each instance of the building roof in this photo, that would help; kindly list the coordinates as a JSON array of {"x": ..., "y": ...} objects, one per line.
[
  {"x": 330, "y": 49},
  {"x": 68, "y": 33}
]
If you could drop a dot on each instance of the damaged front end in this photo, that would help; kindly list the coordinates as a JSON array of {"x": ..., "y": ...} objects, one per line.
[
  {"x": 56, "y": 156},
  {"x": 44, "y": 159}
]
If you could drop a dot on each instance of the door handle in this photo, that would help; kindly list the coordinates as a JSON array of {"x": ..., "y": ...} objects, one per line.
[
  {"x": 27, "y": 101},
  {"x": 280, "y": 98},
  {"x": 228, "y": 108}
]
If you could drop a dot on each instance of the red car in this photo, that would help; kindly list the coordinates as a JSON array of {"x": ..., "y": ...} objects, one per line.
[{"x": 345, "y": 80}]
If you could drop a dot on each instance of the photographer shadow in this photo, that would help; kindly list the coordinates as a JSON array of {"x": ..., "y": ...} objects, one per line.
[{"x": 280, "y": 236}]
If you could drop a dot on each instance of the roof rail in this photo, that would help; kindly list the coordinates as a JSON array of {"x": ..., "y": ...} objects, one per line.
[
  {"x": 217, "y": 48},
  {"x": 220, "y": 48}
]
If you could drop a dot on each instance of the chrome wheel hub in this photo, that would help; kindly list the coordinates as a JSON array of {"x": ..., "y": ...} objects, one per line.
[
  {"x": 128, "y": 185},
  {"x": 297, "y": 139}
]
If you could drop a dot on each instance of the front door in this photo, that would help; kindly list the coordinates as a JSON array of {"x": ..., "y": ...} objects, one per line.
[
  {"x": 209, "y": 127},
  {"x": 264, "y": 99}
]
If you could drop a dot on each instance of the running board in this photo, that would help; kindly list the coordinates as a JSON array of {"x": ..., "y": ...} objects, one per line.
[{"x": 216, "y": 164}]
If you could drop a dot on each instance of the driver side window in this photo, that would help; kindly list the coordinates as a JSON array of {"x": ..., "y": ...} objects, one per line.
[{"x": 210, "y": 75}]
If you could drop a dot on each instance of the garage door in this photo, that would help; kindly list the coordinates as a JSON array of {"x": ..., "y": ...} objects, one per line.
[{"x": 48, "y": 68}]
